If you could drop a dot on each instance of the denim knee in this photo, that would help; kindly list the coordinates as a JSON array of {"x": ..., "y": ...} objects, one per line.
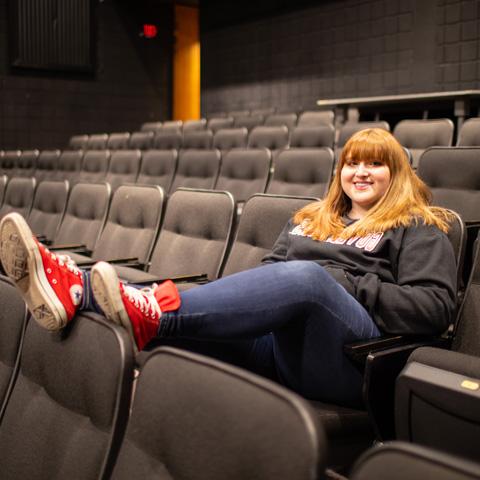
[{"x": 306, "y": 274}]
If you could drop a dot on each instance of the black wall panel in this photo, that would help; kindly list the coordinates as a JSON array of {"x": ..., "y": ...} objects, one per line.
[
  {"x": 346, "y": 48},
  {"x": 52, "y": 34}
]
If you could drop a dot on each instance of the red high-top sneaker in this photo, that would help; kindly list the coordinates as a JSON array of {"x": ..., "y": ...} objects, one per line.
[
  {"x": 139, "y": 311},
  {"x": 51, "y": 285}
]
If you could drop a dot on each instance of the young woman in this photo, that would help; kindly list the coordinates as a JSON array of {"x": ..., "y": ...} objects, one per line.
[{"x": 371, "y": 258}]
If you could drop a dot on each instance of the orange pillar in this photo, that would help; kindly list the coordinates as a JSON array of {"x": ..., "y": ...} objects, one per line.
[{"x": 186, "y": 64}]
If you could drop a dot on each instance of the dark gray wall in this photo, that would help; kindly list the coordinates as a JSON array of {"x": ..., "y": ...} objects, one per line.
[
  {"x": 131, "y": 85},
  {"x": 346, "y": 48}
]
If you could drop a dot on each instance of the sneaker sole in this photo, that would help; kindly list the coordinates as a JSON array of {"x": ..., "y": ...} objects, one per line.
[
  {"x": 107, "y": 294},
  {"x": 23, "y": 264}
]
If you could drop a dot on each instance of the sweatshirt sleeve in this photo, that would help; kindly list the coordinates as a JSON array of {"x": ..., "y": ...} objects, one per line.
[
  {"x": 279, "y": 249},
  {"x": 423, "y": 299}
]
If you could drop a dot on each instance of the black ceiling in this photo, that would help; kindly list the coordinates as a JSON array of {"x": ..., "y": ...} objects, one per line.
[{"x": 221, "y": 13}]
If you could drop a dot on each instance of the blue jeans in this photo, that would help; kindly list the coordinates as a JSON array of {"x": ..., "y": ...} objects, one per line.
[{"x": 288, "y": 320}]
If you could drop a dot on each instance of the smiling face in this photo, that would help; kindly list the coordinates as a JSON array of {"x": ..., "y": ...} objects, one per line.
[{"x": 364, "y": 182}]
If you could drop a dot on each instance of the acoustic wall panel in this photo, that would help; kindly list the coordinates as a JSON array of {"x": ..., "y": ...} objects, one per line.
[{"x": 52, "y": 34}]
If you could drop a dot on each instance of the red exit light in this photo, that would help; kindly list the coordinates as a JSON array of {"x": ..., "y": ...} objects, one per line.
[{"x": 149, "y": 31}]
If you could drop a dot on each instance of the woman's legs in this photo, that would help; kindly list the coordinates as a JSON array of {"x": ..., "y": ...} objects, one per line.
[{"x": 309, "y": 314}]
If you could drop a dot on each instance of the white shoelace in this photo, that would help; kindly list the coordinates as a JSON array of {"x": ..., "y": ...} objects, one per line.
[
  {"x": 67, "y": 261},
  {"x": 144, "y": 300}
]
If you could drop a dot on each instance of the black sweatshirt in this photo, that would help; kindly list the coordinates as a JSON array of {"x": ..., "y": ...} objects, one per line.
[{"x": 405, "y": 277}]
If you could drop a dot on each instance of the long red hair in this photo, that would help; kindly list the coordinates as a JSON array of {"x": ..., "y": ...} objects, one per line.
[{"x": 406, "y": 200}]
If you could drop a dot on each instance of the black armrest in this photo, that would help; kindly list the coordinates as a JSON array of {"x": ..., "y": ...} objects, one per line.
[
  {"x": 382, "y": 368},
  {"x": 81, "y": 249},
  {"x": 358, "y": 351},
  {"x": 85, "y": 264},
  {"x": 196, "y": 278},
  {"x": 128, "y": 262}
]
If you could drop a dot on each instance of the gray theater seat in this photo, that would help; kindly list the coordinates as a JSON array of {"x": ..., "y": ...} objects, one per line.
[
  {"x": 313, "y": 136},
  {"x": 3, "y": 187},
  {"x": 78, "y": 142},
  {"x": 123, "y": 167},
  {"x": 48, "y": 209},
  {"x": 279, "y": 119},
  {"x": 316, "y": 118},
  {"x": 69, "y": 166},
  {"x": 141, "y": 140},
  {"x": 167, "y": 140},
  {"x": 118, "y": 141},
  {"x": 272, "y": 137},
  {"x": 27, "y": 163},
  {"x": 193, "y": 239},
  {"x": 217, "y": 123},
  {"x": 13, "y": 321},
  {"x": 172, "y": 124},
  {"x": 47, "y": 164},
  {"x": 244, "y": 172},
  {"x": 262, "y": 221},
  {"x": 97, "y": 141},
  {"x": 158, "y": 168},
  {"x": 132, "y": 224},
  {"x": 302, "y": 171},
  {"x": 418, "y": 135},
  {"x": 197, "y": 169},
  {"x": 469, "y": 134},
  {"x": 9, "y": 162},
  {"x": 194, "y": 418},
  {"x": 248, "y": 121},
  {"x": 151, "y": 127},
  {"x": 453, "y": 175},
  {"x": 85, "y": 215},
  {"x": 399, "y": 461},
  {"x": 69, "y": 406},
  {"x": 227, "y": 138},
  {"x": 95, "y": 166},
  {"x": 200, "y": 139},
  {"x": 194, "y": 125},
  {"x": 18, "y": 197}
]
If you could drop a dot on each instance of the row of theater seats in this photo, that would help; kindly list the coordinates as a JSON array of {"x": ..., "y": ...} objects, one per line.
[
  {"x": 278, "y": 136},
  {"x": 467, "y": 134},
  {"x": 127, "y": 165},
  {"x": 414, "y": 135},
  {"x": 66, "y": 396},
  {"x": 247, "y": 119},
  {"x": 241, "y": 171},
  {"x": 125, "y": 228},
  {"x": 453, "y": 173}
]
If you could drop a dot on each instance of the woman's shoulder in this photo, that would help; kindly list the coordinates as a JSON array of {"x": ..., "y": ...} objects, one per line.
[{"x": 419, "y": 229}]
